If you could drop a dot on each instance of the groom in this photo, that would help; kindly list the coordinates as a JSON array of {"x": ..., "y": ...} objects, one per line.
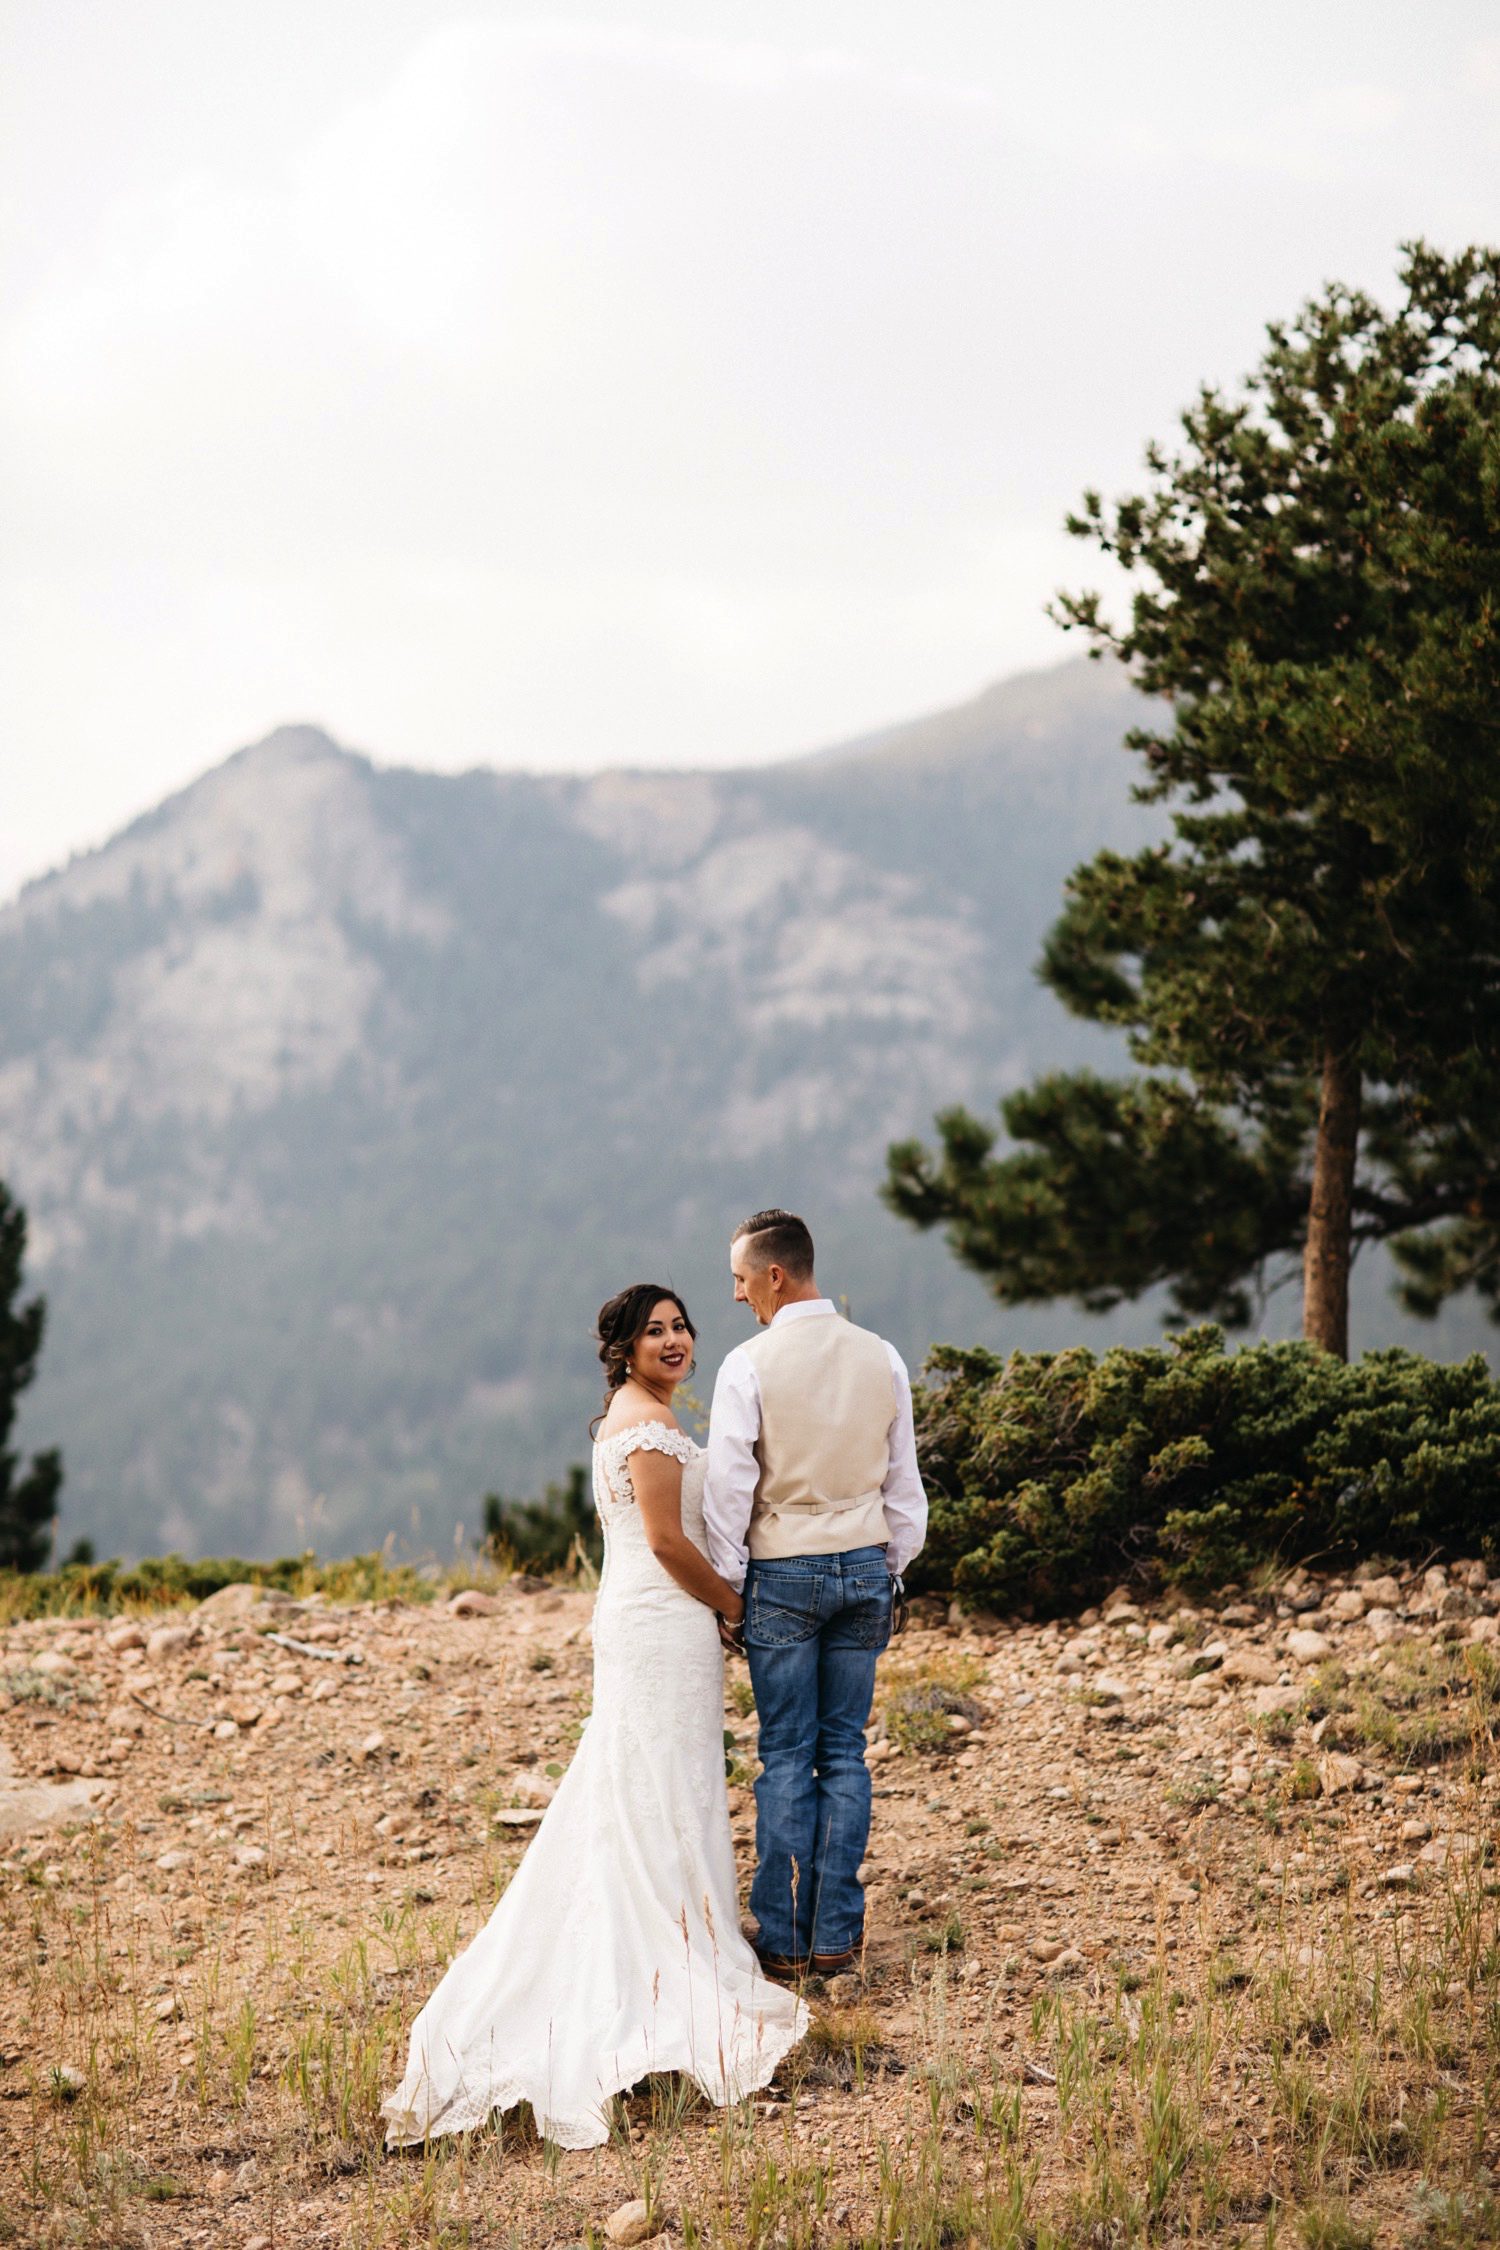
[{"x": 814, "y": 1505}]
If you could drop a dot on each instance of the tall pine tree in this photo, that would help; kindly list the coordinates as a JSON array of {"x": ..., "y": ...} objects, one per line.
[
  {"x": 1310, "y": 969},
  {"x": 28, "y": 1504}
]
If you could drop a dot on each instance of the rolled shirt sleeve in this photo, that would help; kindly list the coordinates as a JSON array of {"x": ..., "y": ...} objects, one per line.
[
  {"x": 903, "y": 1495},
  {"x": 733, "y": 1471}
]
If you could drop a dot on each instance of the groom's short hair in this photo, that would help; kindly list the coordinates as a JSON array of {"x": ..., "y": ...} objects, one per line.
[{"x": 778, "y": 1238}]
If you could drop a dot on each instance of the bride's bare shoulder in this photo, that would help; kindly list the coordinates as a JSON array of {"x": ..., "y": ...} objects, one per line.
[{"x": 631, "y": 1414}]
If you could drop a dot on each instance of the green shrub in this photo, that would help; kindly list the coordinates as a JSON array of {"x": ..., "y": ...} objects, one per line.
[
  {"x": 1053, "y": 1475},
  {"x": 553, "y": 1533}
]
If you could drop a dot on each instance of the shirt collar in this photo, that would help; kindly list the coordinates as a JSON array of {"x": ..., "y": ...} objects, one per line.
[{"x": 804, "y": 1306}]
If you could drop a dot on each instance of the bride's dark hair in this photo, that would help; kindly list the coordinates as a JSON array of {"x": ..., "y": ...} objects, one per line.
[{"x": 620, "y": 1326}]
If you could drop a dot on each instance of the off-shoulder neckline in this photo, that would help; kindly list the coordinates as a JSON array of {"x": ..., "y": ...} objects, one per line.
[{"x": 630, "y": 1429}]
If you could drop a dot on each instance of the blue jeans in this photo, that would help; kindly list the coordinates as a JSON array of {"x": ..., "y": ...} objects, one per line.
[{"x": 814, "y": 1625}]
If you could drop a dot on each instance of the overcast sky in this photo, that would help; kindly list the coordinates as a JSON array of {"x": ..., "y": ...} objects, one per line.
[{"x": 648, "y": 384}]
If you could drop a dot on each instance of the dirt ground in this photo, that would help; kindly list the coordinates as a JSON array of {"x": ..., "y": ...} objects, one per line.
[{"x": 1182, "y": 1925}]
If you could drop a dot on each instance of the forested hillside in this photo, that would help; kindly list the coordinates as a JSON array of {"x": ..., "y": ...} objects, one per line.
[{"x": 340, "y": 1096}]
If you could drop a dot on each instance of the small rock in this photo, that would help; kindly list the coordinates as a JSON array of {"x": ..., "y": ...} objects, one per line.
[
  {"x": 1381, "y": 1593},
  {"x": 166, "y": 2011},
  {"x": 631, "y": 2224},
  {"x": 958, "y": 1724},
  {"x": 239, "y": 1599},
  {"x": 843, "y": 1990},
  {"x": 1435, "y": 1579},
  {"x": 1457, "y": 1601},
  {"x": 169, "y": 1640},
  {"x": 249, "y": 1857},
  {"x": 126, "y": 1718},
  {"x": 534, "y": 1788},
  {"x": 1069, "y": 1662},
  {"x": 1112, "y": 1690},
  {"x": 1250, "y": 1665},
  {"x": 1382, "y": 1624},
  {"x": 1408, "y": 1785},
  {"x": 1122, "y": 1613},
  {"x": 1239, "y": 1780},
  {"x": 225, "y": 1730},
  {"x": 1240, "y": 1613},
  {"x": 1443, "y": 1848},
  {"x": 1068, "y": 1962},
  {"x": 52, "y": 1664},
  {"x": 244, "y": 1710},
  {"x": 324, "y": 1689},
  {"x": 916, "y": 1898},
  {"x": 1415, "y": 1831},
  {"x": 1337, "y": 1771},
  {"x": 1199, "y": 1696},
  {"x": 1270, "y": 1702},
  {"x": 472, "y": 1603},
  {"x": 286, "y": 1683},
  {"x": 126, "y": 1633},
  {"x": 1163, "y": 1633},
  {"x": 259, "y": 2242},
  {"x": 372, "y": 1745},
  {"x": 66, "y": 2081},
  {"x": 1349, "y": 1606},
  {"x": 518, "y": 1816},
  {"x": 169, "y": 1862},
  {"x": 1484, "y": 1629},
  {"x": 865, "y": 1872},
  {"x": 1306, "y": 1646},
  {"x": 1402, "y": 1878},
  {"x": 1047, "y": 1950}
]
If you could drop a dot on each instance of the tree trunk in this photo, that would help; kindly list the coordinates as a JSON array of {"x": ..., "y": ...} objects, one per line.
[{"x": 1325, "y": 1261}]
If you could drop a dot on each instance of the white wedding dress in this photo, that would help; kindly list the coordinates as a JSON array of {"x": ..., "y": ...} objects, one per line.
[{"x": 616, "y": 1950}]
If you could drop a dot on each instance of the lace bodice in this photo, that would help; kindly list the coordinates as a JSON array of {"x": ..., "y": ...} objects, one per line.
[{"x": 614, "y": 1490}]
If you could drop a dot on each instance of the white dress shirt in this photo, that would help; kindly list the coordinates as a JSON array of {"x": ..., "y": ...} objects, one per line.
[{"x": 733, "y": 1470}]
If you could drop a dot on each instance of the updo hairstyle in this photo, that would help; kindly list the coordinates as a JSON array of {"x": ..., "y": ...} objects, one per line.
[{"x": 621, "y": 1324}]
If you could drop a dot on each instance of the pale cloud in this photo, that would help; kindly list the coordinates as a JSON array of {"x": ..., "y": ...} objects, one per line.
[{"x": 588, "y": 392}]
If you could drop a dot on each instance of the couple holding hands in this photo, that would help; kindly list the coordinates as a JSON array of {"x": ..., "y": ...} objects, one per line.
[{"x": 617, "y": 1951}]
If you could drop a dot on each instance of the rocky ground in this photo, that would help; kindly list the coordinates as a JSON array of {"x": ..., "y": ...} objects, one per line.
[{"x": 1182, "y": 1920}]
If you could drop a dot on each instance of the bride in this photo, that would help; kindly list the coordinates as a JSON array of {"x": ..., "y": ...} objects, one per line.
[{"x": 617, "y": 1951}]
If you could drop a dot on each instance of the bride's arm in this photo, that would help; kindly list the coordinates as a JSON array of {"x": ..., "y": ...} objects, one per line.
[{"x": 657, "y": 1482}]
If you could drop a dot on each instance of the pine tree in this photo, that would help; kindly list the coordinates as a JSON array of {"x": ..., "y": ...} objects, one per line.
[
  {"x": 28, "y": 1505},
  {"x": 1309, "y": 970}
]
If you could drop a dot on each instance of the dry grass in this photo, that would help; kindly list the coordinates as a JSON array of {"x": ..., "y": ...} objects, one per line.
[{"x": 1321, "y": 2070}]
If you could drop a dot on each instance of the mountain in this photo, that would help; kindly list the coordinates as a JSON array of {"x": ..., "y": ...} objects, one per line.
[{"x": 340, "y": 1096}]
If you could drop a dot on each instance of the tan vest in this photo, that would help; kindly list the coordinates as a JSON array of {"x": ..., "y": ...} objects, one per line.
[{"x": 826, "y": 1407}]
